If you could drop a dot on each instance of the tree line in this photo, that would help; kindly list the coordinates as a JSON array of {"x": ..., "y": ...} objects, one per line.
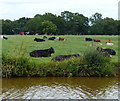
[{"x": 67, "y": 23}]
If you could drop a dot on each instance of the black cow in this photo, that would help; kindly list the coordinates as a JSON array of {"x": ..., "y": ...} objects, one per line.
[
  {"x": 39, "y": 40},
  {"x": 44, "y": 37},
  {"x": 52, "y": 38},
  {"x": 42, "y": 53},
  {"x": 63, "y": 57},
  {"x": 106, "y": 51},
  {"x": 88, "y": 39},
  {"x": 4, "y": 37}
]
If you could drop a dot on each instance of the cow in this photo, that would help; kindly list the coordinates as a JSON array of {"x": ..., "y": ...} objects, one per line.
[
  {"x": 44, "y": 37},
  {"x": 61, "y": 39},
  {"x": 52, "y": 38},
  {"x": 107, "y": 51},
  {"x": 39, "y": 40},
  {"x": 4, "y": 37},
  {"x": 110, "y": 44},
  {"x": 96, "y": 40},
  {"x": 63, "y": 57},
  {"x": 107, "y": 41},
  {"x": 88, "y": 39},
  {"x": 42, "y": 53}
]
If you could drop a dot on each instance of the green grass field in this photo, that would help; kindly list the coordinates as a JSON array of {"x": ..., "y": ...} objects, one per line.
[{"x": 75, "y": 44}]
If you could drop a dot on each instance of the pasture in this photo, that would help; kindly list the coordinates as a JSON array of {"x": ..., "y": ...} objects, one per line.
[{"x": 75, "y": 44}]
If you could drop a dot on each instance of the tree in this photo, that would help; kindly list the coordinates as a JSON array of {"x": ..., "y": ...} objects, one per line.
[
  {"x": 7, "y": 27},
  {"x": 95, "y": 17},
  {"x": 106, "y": 26},
  {"x": 57, "y": 20},
  {"x": 82, "y": 23},
  {"x": 66, "y": 23},
  {"x": 75, "y": 23},
  {"x": 19, "y": 25},
  {"x": 48, "y": 27},
  {"x": 33, "y": 25},
  {"x": 96, "y": 24},
  {"x": 96, "y": 28},
  {"x": 110, "y": 26}
]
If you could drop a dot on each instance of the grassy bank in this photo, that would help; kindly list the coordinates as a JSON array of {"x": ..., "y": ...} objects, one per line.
[
  {"x": 96, "y": 65},
  {"x": 17, "y": 62}
]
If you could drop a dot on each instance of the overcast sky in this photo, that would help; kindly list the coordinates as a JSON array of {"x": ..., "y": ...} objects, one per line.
[{"x": 15, "y": 9}]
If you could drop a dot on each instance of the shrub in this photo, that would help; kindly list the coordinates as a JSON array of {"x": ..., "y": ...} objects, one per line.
[{"x": 95, "y": 64}]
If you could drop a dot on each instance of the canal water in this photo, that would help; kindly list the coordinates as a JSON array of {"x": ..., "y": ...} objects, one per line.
[{"x": 60, "y": 88}]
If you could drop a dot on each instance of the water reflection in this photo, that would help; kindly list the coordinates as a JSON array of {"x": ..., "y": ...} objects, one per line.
[{"x": 60, "y": 88}]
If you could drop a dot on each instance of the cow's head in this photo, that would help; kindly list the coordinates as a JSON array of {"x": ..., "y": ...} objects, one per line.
[
  {"x": 35, "y": 39},
  {"x": 99, "y": 49},
  {"x": 51, "y": 50}
]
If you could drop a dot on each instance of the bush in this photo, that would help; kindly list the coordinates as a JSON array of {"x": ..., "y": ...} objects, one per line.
[
  {"x": 95, "y": 64},
  {"x": 14, "y": 66},
  {"x": 94, "y": 58}
]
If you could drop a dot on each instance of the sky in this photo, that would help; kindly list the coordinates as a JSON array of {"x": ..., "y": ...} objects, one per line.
[{"x": 15, "y": 9}]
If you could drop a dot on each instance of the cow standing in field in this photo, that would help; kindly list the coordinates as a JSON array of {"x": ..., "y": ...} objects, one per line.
[
  {"x": 63, "y": 57},
  {"x": 39, "y": 40},
  {"x": 42, "y": 53}
]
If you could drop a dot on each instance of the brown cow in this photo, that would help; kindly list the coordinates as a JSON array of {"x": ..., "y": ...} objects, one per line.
[
  {"x": 96, "y": 40},
  {"x": 107, "y": 41},
  {"x": 61, "y": 39}
]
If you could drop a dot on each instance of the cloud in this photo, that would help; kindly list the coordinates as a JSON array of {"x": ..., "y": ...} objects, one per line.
[{"x": 15, "y": 9}]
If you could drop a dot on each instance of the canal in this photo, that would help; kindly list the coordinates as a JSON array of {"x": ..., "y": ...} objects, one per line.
[{"x": 60, "y": 88}]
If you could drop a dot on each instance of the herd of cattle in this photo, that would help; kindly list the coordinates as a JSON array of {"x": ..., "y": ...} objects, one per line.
[
  {"x": 98, "y": 40},
  {"x": 47, "y": 52},
  {"x": 50, "y": 38}
]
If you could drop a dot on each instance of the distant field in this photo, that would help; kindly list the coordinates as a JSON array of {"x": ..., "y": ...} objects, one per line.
[{"x": 75, "y": 44}]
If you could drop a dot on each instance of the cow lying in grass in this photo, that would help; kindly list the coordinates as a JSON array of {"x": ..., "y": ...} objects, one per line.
[
  {"x": 42, "y": 53},
  {"x": 63, "y": 57},
  {"x": 110, "y": 44},
  {"x": 4, "y": 37},
  {"x": 88, "y": 39},
  {"x": 61, "y": 39},
  {"x": 44, "y": 37},
  {"x": 96, "y": 40},
  {"x": 39, "y": 40},
  {"x": 107, "y": 41},
  {"x": 107, "y": 51},
  {"x": 52, "y": 38}
]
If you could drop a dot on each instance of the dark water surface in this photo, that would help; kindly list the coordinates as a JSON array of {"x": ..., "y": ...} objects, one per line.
[{"x": 60, "y": 88}]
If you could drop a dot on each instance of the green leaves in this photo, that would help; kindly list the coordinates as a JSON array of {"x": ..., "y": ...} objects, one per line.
[
  {"x": 48, "y": 27},
  {"x": 66, "y": 23}
]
